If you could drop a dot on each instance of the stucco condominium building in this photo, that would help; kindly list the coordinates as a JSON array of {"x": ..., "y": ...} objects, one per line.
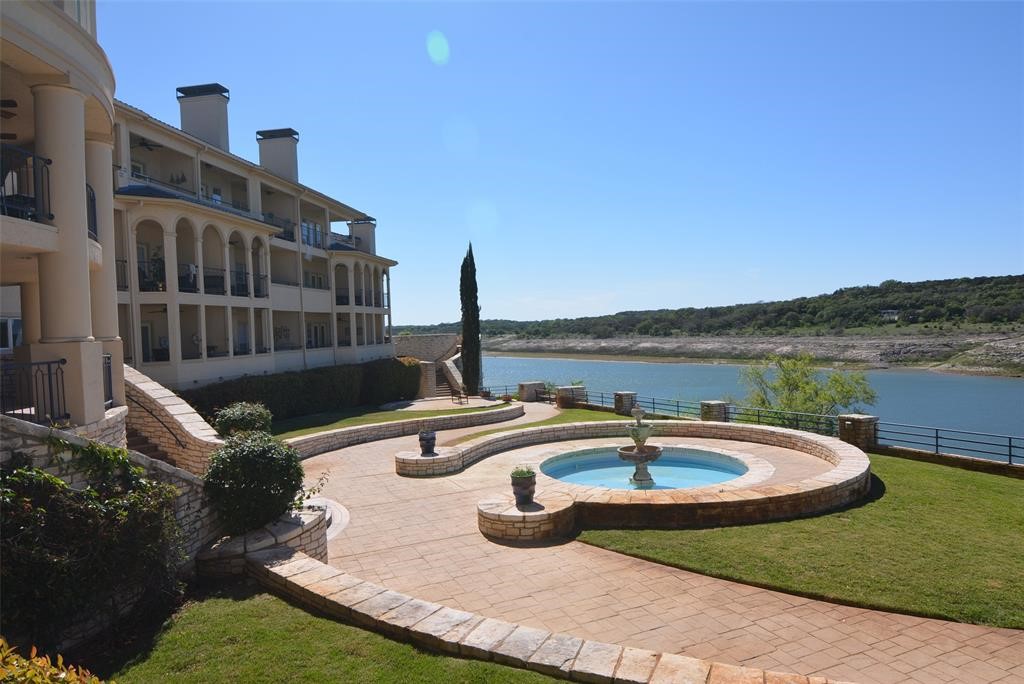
[{"x": 132, "y": 240}]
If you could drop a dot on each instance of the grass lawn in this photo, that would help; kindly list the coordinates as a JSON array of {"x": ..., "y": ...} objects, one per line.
[
  {"x": 564, "y": 416},
  {"x": 933, "y": 540},
  {"x": 360, "y": 415},
  {"x": 239, "y": 634}
]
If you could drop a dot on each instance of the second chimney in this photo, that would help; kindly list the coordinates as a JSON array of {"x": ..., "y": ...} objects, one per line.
[
  {"x": 204, "y": 113},
  {"x": 279, "y": 153}
]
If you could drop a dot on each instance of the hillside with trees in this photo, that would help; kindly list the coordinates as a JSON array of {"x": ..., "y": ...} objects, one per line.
[{"x": 987, "y": 301}]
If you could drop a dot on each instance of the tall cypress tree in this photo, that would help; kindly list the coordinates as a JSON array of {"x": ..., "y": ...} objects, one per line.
[{"x": 470, "y": 325}]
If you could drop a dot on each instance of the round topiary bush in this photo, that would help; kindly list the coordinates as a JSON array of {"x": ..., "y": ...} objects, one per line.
[
  {"x": 252, "y": 480},
  {"x": 243, "y": 416}
]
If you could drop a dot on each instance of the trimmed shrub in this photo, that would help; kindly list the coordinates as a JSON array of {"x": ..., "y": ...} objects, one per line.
[
  {"x": 252, "y": 480},
  {"x": 73, "y": 554},
  {"x": 300, "y": 393},
  {"x": 243, "y": 416}
]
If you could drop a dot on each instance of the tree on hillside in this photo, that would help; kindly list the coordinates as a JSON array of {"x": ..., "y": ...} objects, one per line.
[
  {"x": 794, "y": 384},
  {"x": 470, "y": 324}
]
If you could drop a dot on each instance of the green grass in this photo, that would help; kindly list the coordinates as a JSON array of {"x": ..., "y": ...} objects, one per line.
[
  {"x": 933, "y": 540},
  {"x": 564, "y": 416},
  {"x": 239, "y": 634},
  {"x": 361, "y": 415}
]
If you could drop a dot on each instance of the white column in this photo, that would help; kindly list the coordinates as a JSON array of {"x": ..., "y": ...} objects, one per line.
[
  {"x": 30, "y": 313},
  {"x": 387, "y": 277},
  {"x": 199, "y": 263},
  {"x": 170, "y": 296},
  {"x": 64, "y": 274},
  {"x": 226, "y": 256},
  {"x": 103, "y": 282}
]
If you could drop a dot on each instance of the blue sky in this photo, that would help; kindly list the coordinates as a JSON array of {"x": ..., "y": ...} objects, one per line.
[{"x": 612, "y": 156}]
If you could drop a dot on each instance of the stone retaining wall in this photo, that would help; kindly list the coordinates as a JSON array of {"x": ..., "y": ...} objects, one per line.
[
  {"x": 109, "y": 430},
  {"x": 432, "y": 347},
  {"x": 457, "y": 632},
  {"x": 322, "y": 442},
  {"x": 170, "y": 422},
  {"x": 304, "y": 531},
  {"x": 549, "y": 517}
]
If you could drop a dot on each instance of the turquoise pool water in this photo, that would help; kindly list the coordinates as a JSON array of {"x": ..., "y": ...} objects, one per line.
[{"x": 678, "y": 468}]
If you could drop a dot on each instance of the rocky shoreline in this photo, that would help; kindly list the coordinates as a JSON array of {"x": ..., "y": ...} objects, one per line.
[{"x": 978, "y": 353}]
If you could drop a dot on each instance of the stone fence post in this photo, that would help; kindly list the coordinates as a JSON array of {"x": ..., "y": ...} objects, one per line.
[
  {"x": 624, "y": 402},
  {"x": 528, "y": 390},
  {"x": 567, "y": 396},
  {"x": 859, "y": 430},
  {"x": 714, "y": 410}
]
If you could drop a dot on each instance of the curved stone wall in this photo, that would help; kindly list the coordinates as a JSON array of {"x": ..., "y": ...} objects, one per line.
[
  {"x": 724, "y": 504},
  {"x": 330, "y": 440}
]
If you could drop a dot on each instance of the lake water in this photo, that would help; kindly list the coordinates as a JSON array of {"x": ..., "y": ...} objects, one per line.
[{"x": 916, "y": 397}]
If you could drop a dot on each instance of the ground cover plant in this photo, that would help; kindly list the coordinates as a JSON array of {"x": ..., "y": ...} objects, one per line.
[
  {"x": 239, "y": 634},
  {"x": 360, "y": 415},
  {"x": 73, "y": 554},
  {"x": 934, "y": 541}
]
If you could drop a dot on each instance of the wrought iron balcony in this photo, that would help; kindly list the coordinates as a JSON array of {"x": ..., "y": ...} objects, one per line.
[
  {"x": 25, "y": 191},
  {"x": 34, "y": 391}
]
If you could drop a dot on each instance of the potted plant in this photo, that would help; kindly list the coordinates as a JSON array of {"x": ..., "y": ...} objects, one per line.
[
  {"x": 524, "y": 484},
  {"x": 427, "y": 440}
]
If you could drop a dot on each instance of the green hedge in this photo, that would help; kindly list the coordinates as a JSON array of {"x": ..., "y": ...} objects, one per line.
[{"x": 300, "y": 393}]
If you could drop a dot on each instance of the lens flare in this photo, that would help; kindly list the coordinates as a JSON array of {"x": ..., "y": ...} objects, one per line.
[{"x": 437, "y": 48}]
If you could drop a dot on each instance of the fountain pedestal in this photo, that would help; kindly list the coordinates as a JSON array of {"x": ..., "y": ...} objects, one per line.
[{"x": 640, "y": 454}]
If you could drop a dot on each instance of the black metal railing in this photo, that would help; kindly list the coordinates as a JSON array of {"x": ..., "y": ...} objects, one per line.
[
  {"x": 108, "y": 380},
  {"x": 287, "y": 234},
  {"x": 359, "y": 298},
  {"x": 239, "y": 283},
  {"x": 33, "y": 391},
  {"x": 259, "y": 286},
  {"x": 314, "y": 237},
  {"x": 121, "y": 267},
  {"x": 341, "y": 298},
  {"x": 90, "y": 213},
  {"x": 24, "y": 184},
  {"x": 311, "y": 282},
  {"x": 151, "y": 276},
  {"x": 184, "y": 188},
  {"x": 808, "y": 422},
  {"x": 219, "y": 201},
  {"x": 158, "y": 419},
  {"x": 188, "y": 278},
  {"x": 281, "y": 222},
  {"x": 213, "y": 280},
  {"x": 1008, "y": 448},
  {"x": 286, "y": 346},
  {"x": 282, "y": 280}
]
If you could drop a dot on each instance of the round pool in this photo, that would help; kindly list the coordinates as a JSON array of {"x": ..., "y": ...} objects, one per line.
[{"x": 678, "y": 468}]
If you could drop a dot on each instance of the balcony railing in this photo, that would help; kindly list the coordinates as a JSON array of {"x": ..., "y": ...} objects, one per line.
[
  {"x": 184, "y": 188},
  {"x": 341, "y": 298},
  {"x": 239, "y": 283},
  {"x": 90, "y": 211},
  {"x": 219, "y": 201},
  {"x": 25, "y": 188},
  {"x": 121, "y": 266},
  {"x": 283, "y": 280},
  {"x": 188, "y": 278},
  {"x": 313, "y": 236},
  {"x": 151, "y": 276},
  {"x": 286, "y": 234},
  {"x": 359, "y": 298},
  {"x": 108, "y": 380},
  {"x": 213, "y": 280},
  {"x": 259, "y": 286},
  {"x": 286, "y": 225},
  {"x": 33, "y": 391},
  {"x": 312, "y": 281}
]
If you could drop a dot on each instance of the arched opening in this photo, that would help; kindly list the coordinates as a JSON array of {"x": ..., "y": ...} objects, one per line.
[
  {"x": 236, "y": 263},
  {"x": 341, "y": 293},
  {"x": 213, "y": 262},
  {"x": 149, "y": 253},
  {"x": 259, "y": 268},
  {"x": 188, "y": 269}
]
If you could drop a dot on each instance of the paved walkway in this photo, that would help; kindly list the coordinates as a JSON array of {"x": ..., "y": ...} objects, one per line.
[{"x": 419, "y": 536}]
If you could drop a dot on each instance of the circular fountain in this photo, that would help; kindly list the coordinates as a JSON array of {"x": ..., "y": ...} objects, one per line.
[{"x": 640, "y": 454}]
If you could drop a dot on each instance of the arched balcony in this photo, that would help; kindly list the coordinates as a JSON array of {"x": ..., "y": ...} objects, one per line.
[{"x": 214, "y": 276}]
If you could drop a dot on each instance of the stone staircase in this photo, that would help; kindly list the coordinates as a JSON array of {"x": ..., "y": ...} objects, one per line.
[
  {"x": 444, "y": 388},
  {"x": 137, "y": 442}
]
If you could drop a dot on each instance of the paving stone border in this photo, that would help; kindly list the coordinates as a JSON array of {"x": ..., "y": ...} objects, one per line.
[
  {"x": 457, "y": 632},
  {"x": 330, "y": 440},
  {"x": 727, "y": 503}
]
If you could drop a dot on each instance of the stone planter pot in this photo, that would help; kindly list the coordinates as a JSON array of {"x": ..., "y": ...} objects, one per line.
[
  {"x": 523, "y": 488},
  {"x": 428, "y": 438}
]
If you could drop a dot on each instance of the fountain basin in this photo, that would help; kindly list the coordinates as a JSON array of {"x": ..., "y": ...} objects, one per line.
[{"x": 677, "y": 468}]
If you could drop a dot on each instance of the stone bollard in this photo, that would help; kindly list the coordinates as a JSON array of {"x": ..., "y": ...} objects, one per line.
[
  {"x": 528, "y": 390},
  {"x": 714, "y": 410},
  {"x": 428, "y": 380},
  {"x": 568, "y": 395},
  {"x": 859, "y": 430},
  {"x": 624, "y": 402}
]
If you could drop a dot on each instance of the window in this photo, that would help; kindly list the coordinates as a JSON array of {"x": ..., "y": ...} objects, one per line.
[
  {"x": 316, "y": 335},
  {"x": 138, "y": 169},
  {"x": 10, "y": 333}
]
